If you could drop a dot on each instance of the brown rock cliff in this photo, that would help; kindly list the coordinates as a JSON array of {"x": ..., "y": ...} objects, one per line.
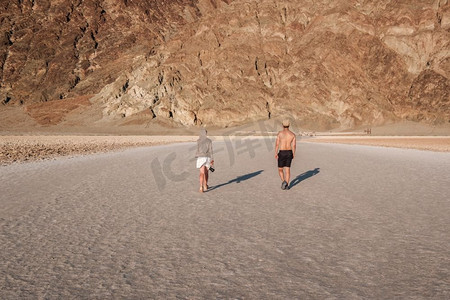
[{"x": 328, "y": 64}]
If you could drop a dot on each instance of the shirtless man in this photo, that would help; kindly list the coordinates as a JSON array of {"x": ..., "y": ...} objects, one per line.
[{"x": 286, "y": 144}]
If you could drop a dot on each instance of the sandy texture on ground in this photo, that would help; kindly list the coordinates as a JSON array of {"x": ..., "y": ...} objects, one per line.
[
  {"x": 29, "y": 148},
  {"x": 358, "y": 223},
  {"x": 441, "y": 144}
]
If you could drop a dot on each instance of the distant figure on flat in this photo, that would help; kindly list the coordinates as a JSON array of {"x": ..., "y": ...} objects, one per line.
[
  {"x": 205, "y": 158},
  {"x": 285, "y": 152}
]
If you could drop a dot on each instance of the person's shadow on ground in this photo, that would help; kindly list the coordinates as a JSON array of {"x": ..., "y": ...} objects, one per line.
[
  {"x": 304, "y": 176},
  {"x": 237, "y": 180}
]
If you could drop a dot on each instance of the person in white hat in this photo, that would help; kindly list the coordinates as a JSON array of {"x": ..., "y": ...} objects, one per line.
[{"x": 285, "y": 152}]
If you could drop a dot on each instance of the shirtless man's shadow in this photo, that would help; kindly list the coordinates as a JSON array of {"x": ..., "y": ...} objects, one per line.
[{"x": 304, "y": 176}]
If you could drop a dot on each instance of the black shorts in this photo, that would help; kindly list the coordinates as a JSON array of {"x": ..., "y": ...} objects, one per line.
[{"x": 285, "y": 158}]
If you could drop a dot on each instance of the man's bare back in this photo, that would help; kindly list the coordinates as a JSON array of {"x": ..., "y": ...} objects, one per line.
[{"x": 286, "y": 140}]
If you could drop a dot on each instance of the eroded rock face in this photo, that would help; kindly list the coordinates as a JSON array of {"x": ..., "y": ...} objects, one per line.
[
  {"x": 60, "y": 49},
  {"x": 326, "y": 63}
]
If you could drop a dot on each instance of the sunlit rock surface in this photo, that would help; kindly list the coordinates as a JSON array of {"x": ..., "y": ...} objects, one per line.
[{"x": 337, "y": 64}]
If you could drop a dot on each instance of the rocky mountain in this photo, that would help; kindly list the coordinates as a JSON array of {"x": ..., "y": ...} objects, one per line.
[
  {"x": 326, "y": 64},
  {"x": 60, "y": 48}
]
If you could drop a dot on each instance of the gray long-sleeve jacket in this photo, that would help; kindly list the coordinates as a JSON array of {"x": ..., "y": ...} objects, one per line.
[{"x": 204, "y": 146}]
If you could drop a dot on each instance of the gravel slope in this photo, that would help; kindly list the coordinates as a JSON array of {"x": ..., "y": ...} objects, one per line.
[{"x": 31, "y": 148}]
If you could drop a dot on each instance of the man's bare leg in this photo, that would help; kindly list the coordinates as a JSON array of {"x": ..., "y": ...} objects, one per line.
[
  {"x": 281, "y": 173},
  {"x": 288, "y": 175}
]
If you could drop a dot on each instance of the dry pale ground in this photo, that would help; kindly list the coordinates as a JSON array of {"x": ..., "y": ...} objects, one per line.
[
  {"x": 358, "y": 223},
  {"x": 38, "y": 147},
  {"x": 432, "y": 143}
]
